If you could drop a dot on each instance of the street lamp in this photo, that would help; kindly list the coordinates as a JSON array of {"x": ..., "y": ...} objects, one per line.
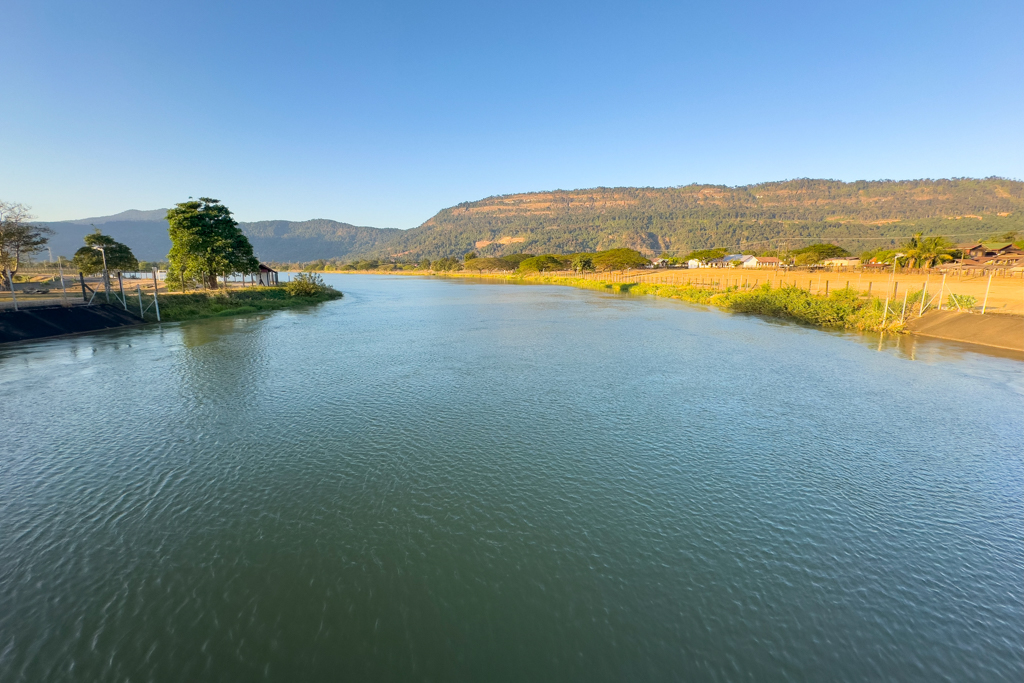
[{"x": 106, "y": 280}]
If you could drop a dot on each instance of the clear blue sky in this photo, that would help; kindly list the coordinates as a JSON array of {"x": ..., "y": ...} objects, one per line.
[{"x": 381, "y": 113}]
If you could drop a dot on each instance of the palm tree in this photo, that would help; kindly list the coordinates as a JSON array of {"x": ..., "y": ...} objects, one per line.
[{"x": 926, "y": 252}]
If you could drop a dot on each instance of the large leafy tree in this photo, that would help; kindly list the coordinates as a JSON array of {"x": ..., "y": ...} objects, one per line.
[
  {"x": 817, "y": 252},
  {"x": 619, "y": 259},
  {"x": 90, "y": 260},
  {"x": 18, "y": 238},
  {"x": 705, "y": 255},
  {"x": 582, "y": 262},
  {"x": 206, "y": 242},
  {"x": 540, "y": 264}
]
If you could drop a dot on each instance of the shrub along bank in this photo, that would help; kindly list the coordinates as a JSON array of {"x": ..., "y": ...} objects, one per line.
[{"x": 177, "y": 307}]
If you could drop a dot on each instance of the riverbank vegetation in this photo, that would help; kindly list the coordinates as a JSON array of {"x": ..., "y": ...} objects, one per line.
[
  {"x": 190, "y": 306},
  {"x": 840, "y": 309}
]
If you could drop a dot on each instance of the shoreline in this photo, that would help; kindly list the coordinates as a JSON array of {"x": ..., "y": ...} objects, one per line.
[
  {"x": 842, "y": 309},
  {"x": 31, "y": 323},
  {"x": 181, "y": 307}
]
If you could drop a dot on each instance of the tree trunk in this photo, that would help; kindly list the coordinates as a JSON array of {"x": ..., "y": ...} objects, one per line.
[{"x": 212, "y": 280}]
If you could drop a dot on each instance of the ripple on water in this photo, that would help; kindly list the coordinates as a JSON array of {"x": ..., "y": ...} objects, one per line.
[{"x": 437, "y": 480}]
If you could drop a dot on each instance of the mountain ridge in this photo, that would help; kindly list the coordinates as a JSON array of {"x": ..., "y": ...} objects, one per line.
[
  {"x": 790, "y": 213},
  {"x": 858, "y": 215}
]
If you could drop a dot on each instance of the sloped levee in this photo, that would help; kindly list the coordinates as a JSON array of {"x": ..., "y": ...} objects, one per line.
[
  {"x": 53, "y": 321},
  {"x": 998, "y": 331}
]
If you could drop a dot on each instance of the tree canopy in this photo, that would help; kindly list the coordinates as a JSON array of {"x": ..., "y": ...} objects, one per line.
[
  {"x": 925, "y": 252},
  {"x": 206, "y": 242},
  {"x": 490, "y": 264},
  {"x": 582, "y": 262},
  {"x": 540, "y": 264},
  {"x": 705, "y": 255},
  {"x": 815, "y": 253},
  {"x": 619, "y": 259},
  {"x": 18, "y": 238},
  {"x": 90, "y": 260}
]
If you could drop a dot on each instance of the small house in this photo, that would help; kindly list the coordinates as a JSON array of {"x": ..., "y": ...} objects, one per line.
[{"x": 267, "y": 276}]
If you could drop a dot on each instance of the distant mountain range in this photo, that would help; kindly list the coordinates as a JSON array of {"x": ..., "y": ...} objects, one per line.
[
  {"x": 860, "y": 215},
  {"x": 146, "y": 233}
]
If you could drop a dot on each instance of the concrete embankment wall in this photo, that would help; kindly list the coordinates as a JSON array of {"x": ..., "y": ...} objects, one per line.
[
  {"x": 52, "y": 321},
  {"x": 998, "y": 331}
]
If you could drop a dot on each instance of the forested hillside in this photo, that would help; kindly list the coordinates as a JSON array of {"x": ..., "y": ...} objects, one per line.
[
  {"x": 858, "y": 216},
  {"x": 315, "y": 239}
]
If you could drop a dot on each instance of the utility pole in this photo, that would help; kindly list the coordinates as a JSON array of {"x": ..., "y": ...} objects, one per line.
[
  {"x": 60, "y": 269},
  {"x": 106, "y": 279},
  {"x": 983, "y": 306},
  {"x": 10, "y": 281},
  {"x": 156, "y": 302}
]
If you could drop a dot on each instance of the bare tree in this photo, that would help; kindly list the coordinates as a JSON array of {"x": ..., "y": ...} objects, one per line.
[{"x": 18, "y": 238}]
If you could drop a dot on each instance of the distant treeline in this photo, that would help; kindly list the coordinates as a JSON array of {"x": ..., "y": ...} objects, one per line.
[
  {"x": 612, "y": 259},
  {"x": 918, "y": 250}
]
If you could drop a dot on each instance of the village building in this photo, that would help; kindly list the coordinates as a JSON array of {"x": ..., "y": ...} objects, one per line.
[
  {"x": 989, "y": 256},
  {"x": 761, "y": 262},
  {"x": 725, "y": 261},
  {"x": 843, "y": 261},
  {"x": 267, "y": 276}
]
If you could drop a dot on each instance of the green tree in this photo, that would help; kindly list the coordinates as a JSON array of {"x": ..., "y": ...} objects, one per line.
[
  {"x": 925, "y": 252},
  {"x": 207, "y": 242},
  {"x": 446, "y": 264},
  {"x": 619, "y": 259},
  {"x": 89, "y": 260},
  {"x": 425, "y": 264},
  {"x": 540, "y": 264},
  {"x": 814, "y": 253},
  {"x": 516, "y": 259},
  {"x": 485, "y": 263},
  {"x": 705, "y": 255},
  {"x": 582, "y": 263},
  {"x": 18, "y": 238}
]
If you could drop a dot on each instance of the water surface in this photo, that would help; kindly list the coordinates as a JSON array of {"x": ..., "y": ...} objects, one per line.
[{"x": 436, "y": 480}]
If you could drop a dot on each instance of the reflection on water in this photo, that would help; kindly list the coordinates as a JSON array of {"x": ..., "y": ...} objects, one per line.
[{"x": 439, "y": 480}]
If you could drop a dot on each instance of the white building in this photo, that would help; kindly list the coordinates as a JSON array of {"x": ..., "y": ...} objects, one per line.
[{"x": 761, "y": 262}]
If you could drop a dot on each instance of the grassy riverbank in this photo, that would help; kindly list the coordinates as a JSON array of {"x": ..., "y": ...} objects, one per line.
[
  {"x": 178, "y": 307},
  {"x": 841, "y": 309}
]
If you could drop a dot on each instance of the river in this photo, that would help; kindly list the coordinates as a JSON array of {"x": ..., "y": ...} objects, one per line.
[{"x": 443, "y": 480}]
